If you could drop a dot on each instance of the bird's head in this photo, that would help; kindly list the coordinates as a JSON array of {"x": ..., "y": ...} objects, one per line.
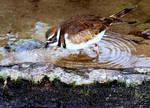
[{"x": 52, "y": 37}]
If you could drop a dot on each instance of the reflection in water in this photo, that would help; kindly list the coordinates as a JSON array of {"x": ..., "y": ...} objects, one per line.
[{"x": 115, "y": 52}]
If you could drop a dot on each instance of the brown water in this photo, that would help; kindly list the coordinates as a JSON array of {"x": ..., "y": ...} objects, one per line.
[{"x": 31, "y": 19}]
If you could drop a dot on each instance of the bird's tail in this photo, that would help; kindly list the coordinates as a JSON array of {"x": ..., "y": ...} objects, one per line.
[{"x": 122, "y": 13}]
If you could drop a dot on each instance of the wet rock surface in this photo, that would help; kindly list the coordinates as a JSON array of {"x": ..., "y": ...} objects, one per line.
[
  {"x": 24, "y": 45},
  {"x": 79, "y": 76}
]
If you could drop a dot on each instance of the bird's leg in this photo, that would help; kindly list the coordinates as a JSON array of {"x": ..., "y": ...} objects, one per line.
[
  {"x": 80, "y": 51},
  {"x": 97, "y": 51}
]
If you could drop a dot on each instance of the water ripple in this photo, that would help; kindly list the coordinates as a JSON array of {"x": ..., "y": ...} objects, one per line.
[{"x": 116, "y": 51}]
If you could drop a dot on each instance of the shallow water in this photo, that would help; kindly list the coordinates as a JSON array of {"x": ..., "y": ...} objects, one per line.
[
  {"x": 116, "y": 51},
  {"x": 32, "y": 18}
]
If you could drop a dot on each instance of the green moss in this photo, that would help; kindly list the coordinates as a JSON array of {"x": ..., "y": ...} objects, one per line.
[
  {"x": 73, "y": 84},
  {"x": 95, "y": 82},
  {"x": 4, "y": 74}
]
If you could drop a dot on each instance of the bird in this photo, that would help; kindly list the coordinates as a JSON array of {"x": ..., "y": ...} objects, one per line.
[{"x": 81, "y": 31}]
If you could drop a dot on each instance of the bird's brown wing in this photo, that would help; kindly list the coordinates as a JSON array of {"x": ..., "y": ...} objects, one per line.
[{"x": 82, "y": 28}]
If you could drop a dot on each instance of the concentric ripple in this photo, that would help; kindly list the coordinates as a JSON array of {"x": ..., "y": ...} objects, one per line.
[{"x": 116, "y": 51}]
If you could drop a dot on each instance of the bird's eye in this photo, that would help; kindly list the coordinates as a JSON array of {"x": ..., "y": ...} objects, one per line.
[{"x": 50, "y": 39}]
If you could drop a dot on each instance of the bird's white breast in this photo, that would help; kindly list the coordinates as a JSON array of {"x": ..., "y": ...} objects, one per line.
[{"x": 70, "y": 45}]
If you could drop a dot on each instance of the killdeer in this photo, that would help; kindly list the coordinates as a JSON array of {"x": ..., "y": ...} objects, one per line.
[{"x": 79, "y": 32}]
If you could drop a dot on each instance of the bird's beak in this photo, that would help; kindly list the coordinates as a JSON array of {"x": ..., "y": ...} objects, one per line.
[{"x": 47, "y": 44}]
